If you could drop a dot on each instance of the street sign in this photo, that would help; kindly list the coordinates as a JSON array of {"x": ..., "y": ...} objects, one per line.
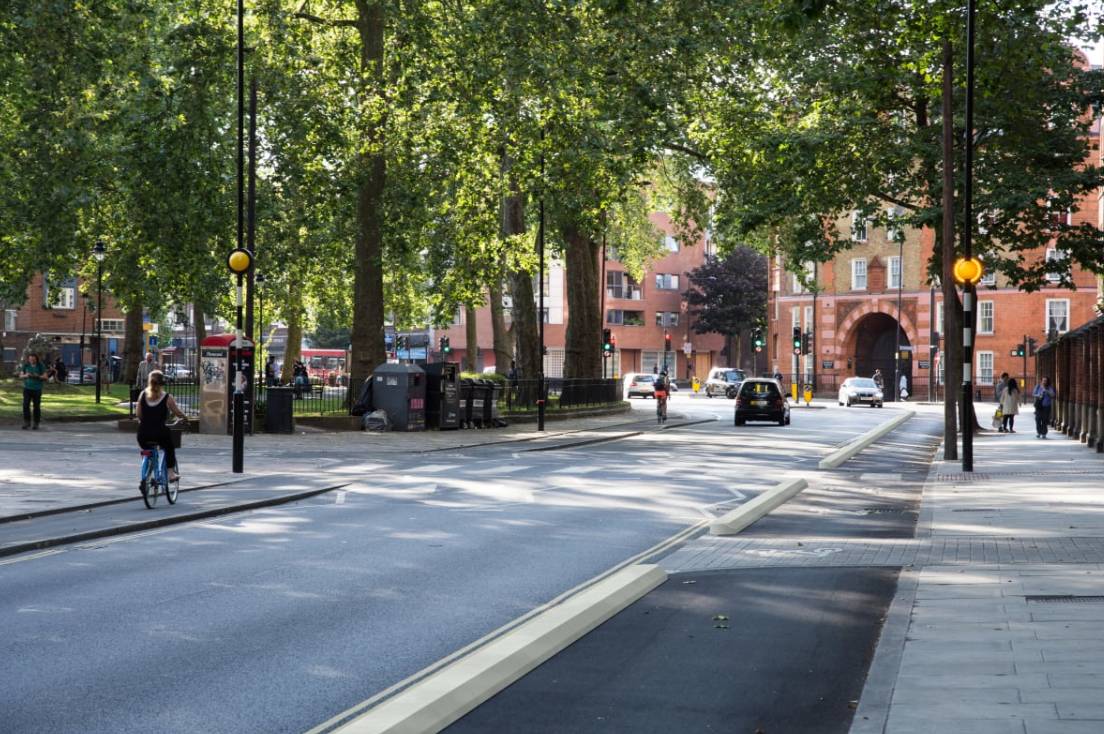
[
  {"x": 687, "y": 348},
  {"x": 924, "y": 364},
  {"x": 827, "y": 364}
]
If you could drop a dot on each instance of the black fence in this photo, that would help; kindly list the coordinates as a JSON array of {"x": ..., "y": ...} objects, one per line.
[
  {"x": 560, "y": 393},
  {"x": 318, "y": 398}
]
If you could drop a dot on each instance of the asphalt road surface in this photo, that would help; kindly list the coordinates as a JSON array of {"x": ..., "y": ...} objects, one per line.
[{"x": 276, "y": 620}]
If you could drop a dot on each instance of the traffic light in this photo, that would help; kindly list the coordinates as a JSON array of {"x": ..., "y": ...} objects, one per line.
[
  {"x": 666, "y": 342},
  {"x": 757, "y": 339},
  {"x": 807, "y": 342},
  {"x": 400, "y": 343},
  {"x": 1031, "y": 344},
  {"x": 1019, "y": 351},
  {"x": 445, "y": 347},
  {"x": 607, "y": 342},
  {"x": 797, "y": 340}
]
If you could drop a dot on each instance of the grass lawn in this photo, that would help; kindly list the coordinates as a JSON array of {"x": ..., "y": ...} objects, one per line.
[{"x": 63, "y": 400}]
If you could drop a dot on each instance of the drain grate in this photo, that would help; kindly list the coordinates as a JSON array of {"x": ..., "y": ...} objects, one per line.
[
  {"x": 977, "y": 509},
  {"x": 963, "y": 477},
  {"x": 1063, "y": 599},
  {"x": 885, "y": 510}
]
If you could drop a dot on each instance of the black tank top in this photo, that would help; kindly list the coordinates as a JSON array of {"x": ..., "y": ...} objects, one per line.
[{"x": 154, "y": 416}]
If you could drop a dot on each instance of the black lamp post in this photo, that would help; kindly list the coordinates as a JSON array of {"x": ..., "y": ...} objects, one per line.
[
  {"x": 259, "y": 281},
  {"x": 98, "y": 252},
  {"x": 239, "y": 262},
  {"x": 967, "y": 253}
]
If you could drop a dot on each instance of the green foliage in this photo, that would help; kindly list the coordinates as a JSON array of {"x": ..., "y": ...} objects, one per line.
[{"x": 730, "y": 294}]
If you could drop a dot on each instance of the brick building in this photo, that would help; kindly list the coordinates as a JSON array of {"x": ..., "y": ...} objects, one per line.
[
  {"x": 66, "y": 317},
  {"x": 874, "y": 296},
  {"x": 637, "y": 314}
]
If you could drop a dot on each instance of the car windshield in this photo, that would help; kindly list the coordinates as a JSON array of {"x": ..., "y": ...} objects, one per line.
[
  {"x": 863, "y": 382},
  {"x": 758, "y": 389},
  {"x": 734, "y": 376},
  {"x": 644, "y": 378}
]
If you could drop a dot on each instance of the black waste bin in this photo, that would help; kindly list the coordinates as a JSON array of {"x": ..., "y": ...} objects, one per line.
[
  {"x": 467, "y": 401},
  {"x": 443, "y": 395},
  {"x": 482, "y": 402},
  {"x": 400, "y": 390},
  {"x": 278, "y": 410}
]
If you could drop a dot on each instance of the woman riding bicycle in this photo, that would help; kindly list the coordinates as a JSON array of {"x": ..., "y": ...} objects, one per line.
[{"x": 154, "y": 406}]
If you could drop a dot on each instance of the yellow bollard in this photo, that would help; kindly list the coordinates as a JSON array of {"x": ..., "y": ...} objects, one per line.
[
  {"x": 808, "y": 394},
  {"x": 793, "y": 390},
  {"x": 695, "y": 385}
]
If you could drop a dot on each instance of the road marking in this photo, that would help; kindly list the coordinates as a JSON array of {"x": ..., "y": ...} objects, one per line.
[
  {"x": 339, "y": 499},
  {"x": 879, "y": 477},
  {"x": 33, "y": 556}
]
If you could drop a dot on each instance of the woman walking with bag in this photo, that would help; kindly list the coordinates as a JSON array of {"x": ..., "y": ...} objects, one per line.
[
  {"x": 1010, "y": 404},
  {"x": 1044, "y": 401}
]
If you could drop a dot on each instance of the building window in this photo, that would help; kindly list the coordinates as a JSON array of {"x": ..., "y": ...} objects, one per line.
[
  {"x": 990, "y": 276},
  {"x": 858, "y": 227},
  {"x": 9, "y": 319},
  {"x": 1057, "y": 311},
  {"x": 985, "y": 317},
  {"x": 795, "y": 317},
  {"x": 621, "y": 285},
  {"x": 939, "y": 318},
  {"x": 667, "y": 281},
  {"x": 653, "y": 361},
  {"x": 985, "y": 368},
  {"x": 667, "y": 318},
  {"x": 1053, "y": 256},
  {"x": 808, "y": 318},
  {"x": 671, "y": 243},
  {"x": 942, "y": 372},
  {"x": 113, "y": 326},
  {"x": 895, "y": 272},
  {"x": 63, "y": 295},
  {"x": 858, "y": 274},
  {"x": 624, "y": 318}
]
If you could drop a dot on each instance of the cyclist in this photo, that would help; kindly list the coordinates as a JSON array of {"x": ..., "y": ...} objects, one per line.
[
  {"x": 154, "y": 406},
  {"x": 662, "y": 390}
]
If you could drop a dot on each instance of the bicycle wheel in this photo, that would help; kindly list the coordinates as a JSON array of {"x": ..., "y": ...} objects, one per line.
[
  {"x": 149, "y": 486},
  {"x": 172, "y": 487}
]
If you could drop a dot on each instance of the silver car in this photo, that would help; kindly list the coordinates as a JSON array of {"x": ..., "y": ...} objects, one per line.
[{"x": 860, "y": 390}]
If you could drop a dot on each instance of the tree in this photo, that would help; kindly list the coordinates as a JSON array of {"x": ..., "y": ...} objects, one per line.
[{"x": 729, "y": 295}]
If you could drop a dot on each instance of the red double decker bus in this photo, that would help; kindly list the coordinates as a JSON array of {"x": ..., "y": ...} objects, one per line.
[{"x": 321, "y": 363}]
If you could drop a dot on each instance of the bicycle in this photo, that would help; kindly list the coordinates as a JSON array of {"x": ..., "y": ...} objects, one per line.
[
  {"x": 661, "y": 406},
  {"x": 154, "y": 476}
]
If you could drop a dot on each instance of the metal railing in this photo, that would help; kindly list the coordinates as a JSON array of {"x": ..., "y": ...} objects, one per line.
[{"x": 560, "y": 394}]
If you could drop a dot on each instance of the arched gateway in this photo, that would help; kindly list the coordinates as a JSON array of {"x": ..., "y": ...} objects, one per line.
[{"x": 870, "y": 340}]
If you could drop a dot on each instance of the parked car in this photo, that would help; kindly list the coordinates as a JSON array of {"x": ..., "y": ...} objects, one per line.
[
  {"x": 178, "y": 372},
  {"x": 642, "y": 386},
  {"x": 761, "y": 399},
  {"x": 724, "y": 381},
  {"x": 73, "y": 377},
  {"x": 860, "y": 390}
]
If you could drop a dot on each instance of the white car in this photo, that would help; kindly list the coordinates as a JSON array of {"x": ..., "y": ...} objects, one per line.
[
  {"x": 860, "y": 390},
  {"x": 724, "y": 381}
]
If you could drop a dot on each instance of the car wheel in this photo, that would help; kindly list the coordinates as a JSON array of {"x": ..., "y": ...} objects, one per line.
[
  {"x": 740, "y": 421},
  {"x": 782, "y": 421},
  {"x": 708, "y": 393},
  {"x": 787, "y": 420}
]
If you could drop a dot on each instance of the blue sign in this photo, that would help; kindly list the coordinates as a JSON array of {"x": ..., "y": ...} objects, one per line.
[{"x": 153, "y": 340}]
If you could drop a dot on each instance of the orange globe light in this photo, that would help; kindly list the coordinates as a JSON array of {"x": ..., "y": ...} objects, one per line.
[
  {"x": 239, "y": 261},
  {"x": 968, "y": 270}
]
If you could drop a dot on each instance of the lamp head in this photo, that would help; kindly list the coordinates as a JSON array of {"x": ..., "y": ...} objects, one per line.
[
  {"x": 968, "y": 270},
  {"x": 239, "y": 261},
  {"x": 98, "y": 251}
]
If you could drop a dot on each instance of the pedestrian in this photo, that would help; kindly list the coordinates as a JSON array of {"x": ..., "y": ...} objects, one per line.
[
  {"x": 34, "y": 373},
  {"x": 903, "y": 387},
  {"x": 778, "y": 376},
  {"x": 60, "y": 370},
  {"x": 270, "y": 371},
  {"x": 145, "y": 367},
  {"x": 1044, "y": 401},
  {"x": 879, "y": 380},
  {"x": 1010, "y": 404}
]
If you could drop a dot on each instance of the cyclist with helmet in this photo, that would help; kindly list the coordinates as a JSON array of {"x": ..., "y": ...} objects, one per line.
[{"x": 662, "y": 390}]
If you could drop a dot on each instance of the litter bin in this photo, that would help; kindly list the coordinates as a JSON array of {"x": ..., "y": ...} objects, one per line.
[
  {"x": 442, "y": 395},
  {"x": 400, "y": 390},
  {"x": 278, "y": 410},
  {"x": 483, "y": 402},
  {"x": 467, "y": 401}
]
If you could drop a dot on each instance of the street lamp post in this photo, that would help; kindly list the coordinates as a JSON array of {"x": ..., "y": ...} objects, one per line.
[
  {"x": 239, "y": 262},
  {"x": 98, "y": 252},
  {"x": 540, "y": 301},
  {"x": 259, "y": 281},
  {"x": 967, "y": 251}
]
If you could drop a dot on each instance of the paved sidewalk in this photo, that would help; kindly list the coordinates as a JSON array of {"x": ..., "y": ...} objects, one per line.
[
  {"x": 71, "y": 464},
  {"x": 1005, "y": 633}
]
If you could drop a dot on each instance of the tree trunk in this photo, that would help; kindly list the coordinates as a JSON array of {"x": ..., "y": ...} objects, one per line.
[
  {"x": 501, "y": 337},
  {"x": 471, "y": 334},
  {"x": 292, "y": 350},
  {"x": 367, "y": 349},
  {"x": 583, "y": 349},
  {"x": 132, "y": 343},
  {"x": 524, "y": 310},
  {"x": 952, "y": 344},
  {"x": 199, "y": 327}
]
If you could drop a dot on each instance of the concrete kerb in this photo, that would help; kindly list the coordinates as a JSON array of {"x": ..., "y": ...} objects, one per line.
[
  {"x": 163, "y": 521},
  {"x": 437, "y": 701},
  {"x": 733, "y": 522},
  {"x": 845, "y": 452}
]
